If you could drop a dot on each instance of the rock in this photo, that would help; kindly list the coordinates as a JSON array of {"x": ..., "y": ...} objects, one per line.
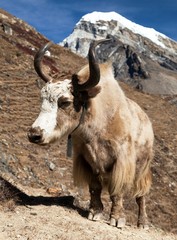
[
  {"x": 54, "y": 191},
  {"x": 51, "y": 166}
]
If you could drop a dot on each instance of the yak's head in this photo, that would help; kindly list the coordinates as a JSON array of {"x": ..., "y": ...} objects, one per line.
[{"x": 63, "y": 101}]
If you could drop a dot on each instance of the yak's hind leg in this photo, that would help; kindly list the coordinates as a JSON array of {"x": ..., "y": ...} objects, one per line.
[
  {"x": 96, "y": 206},
  {"x": 143, "y": 184},
  {"x": 142, "y": 216},
  {"x": 117, "y": 217}
]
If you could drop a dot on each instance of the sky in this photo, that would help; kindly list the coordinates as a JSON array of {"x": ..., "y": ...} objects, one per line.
[{"x": 56, "y": 19}]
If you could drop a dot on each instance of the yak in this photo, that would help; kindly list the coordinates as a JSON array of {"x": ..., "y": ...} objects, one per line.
[{"x": 112, "y": 137}]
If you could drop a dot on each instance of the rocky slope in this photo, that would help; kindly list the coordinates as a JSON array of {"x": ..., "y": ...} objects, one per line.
[
  {"x": 149, "y": 58},
  {"x": 37, "y": 170}
]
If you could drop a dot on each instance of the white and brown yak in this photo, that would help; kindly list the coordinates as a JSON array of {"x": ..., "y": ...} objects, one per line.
[{"x": 112, "y": 136}]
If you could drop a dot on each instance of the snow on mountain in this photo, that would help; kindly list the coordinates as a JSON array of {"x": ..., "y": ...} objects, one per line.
[{"x": 150, "y": 33}]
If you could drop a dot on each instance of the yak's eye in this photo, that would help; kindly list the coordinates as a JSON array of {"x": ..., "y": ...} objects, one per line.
[{"x": 63, "y": 103}]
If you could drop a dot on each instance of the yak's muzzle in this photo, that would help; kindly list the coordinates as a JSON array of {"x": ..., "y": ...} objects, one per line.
[{"x": 35, "y": 135}]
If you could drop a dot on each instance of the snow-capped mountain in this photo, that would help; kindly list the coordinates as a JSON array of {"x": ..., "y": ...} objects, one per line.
[
  {"x": 145, "y": 44},
  {"x": 97, "y": 25}
]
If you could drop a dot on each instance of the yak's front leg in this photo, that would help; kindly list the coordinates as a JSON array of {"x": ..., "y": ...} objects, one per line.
[
  {"x": 117, "y": 217},
  {"x": 96, "y": 206}
]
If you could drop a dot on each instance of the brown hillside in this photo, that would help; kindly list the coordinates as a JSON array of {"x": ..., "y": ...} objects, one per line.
[{"x": 46, "y": 167}]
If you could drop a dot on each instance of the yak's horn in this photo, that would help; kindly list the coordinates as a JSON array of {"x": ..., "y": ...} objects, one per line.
[{"x": 38, "y": 60}]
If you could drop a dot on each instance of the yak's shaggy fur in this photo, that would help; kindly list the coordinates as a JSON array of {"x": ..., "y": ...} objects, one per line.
[{"x": 115, "y": 140}]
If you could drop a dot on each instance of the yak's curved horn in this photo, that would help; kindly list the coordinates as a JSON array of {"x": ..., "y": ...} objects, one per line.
[
  {"x": 38, "y": 59},
  {"x": 94, "y": 76}
]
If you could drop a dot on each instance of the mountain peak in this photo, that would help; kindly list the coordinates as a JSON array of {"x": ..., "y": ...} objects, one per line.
[
  {"x": 149, "y": 59},
  {"x": 123, "y": 22}
]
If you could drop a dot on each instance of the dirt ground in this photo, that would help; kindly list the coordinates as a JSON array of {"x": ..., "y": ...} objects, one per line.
[
  {"x": 38, "y": 169},
  {"x": 60, "y": 223}
]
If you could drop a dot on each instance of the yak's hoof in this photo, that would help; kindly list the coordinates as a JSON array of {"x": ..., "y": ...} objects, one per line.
[
  {"x": 119, "y": 223},
  {"x": 143, "y": 226},
  {"x": 95, "y": 217}
]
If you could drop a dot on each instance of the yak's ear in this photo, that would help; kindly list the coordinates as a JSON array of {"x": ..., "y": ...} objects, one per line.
[{"x": 92, "y": 92}]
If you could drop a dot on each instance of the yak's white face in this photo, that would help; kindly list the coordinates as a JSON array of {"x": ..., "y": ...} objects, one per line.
[
  {"x": 59, "y": 110},
  {"x": 54, "y": 120}
]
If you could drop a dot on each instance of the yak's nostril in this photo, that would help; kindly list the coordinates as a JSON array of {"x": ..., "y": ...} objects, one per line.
[
  {"x": 35, "y": 138},
  {"x": 35, "y": 135}
]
